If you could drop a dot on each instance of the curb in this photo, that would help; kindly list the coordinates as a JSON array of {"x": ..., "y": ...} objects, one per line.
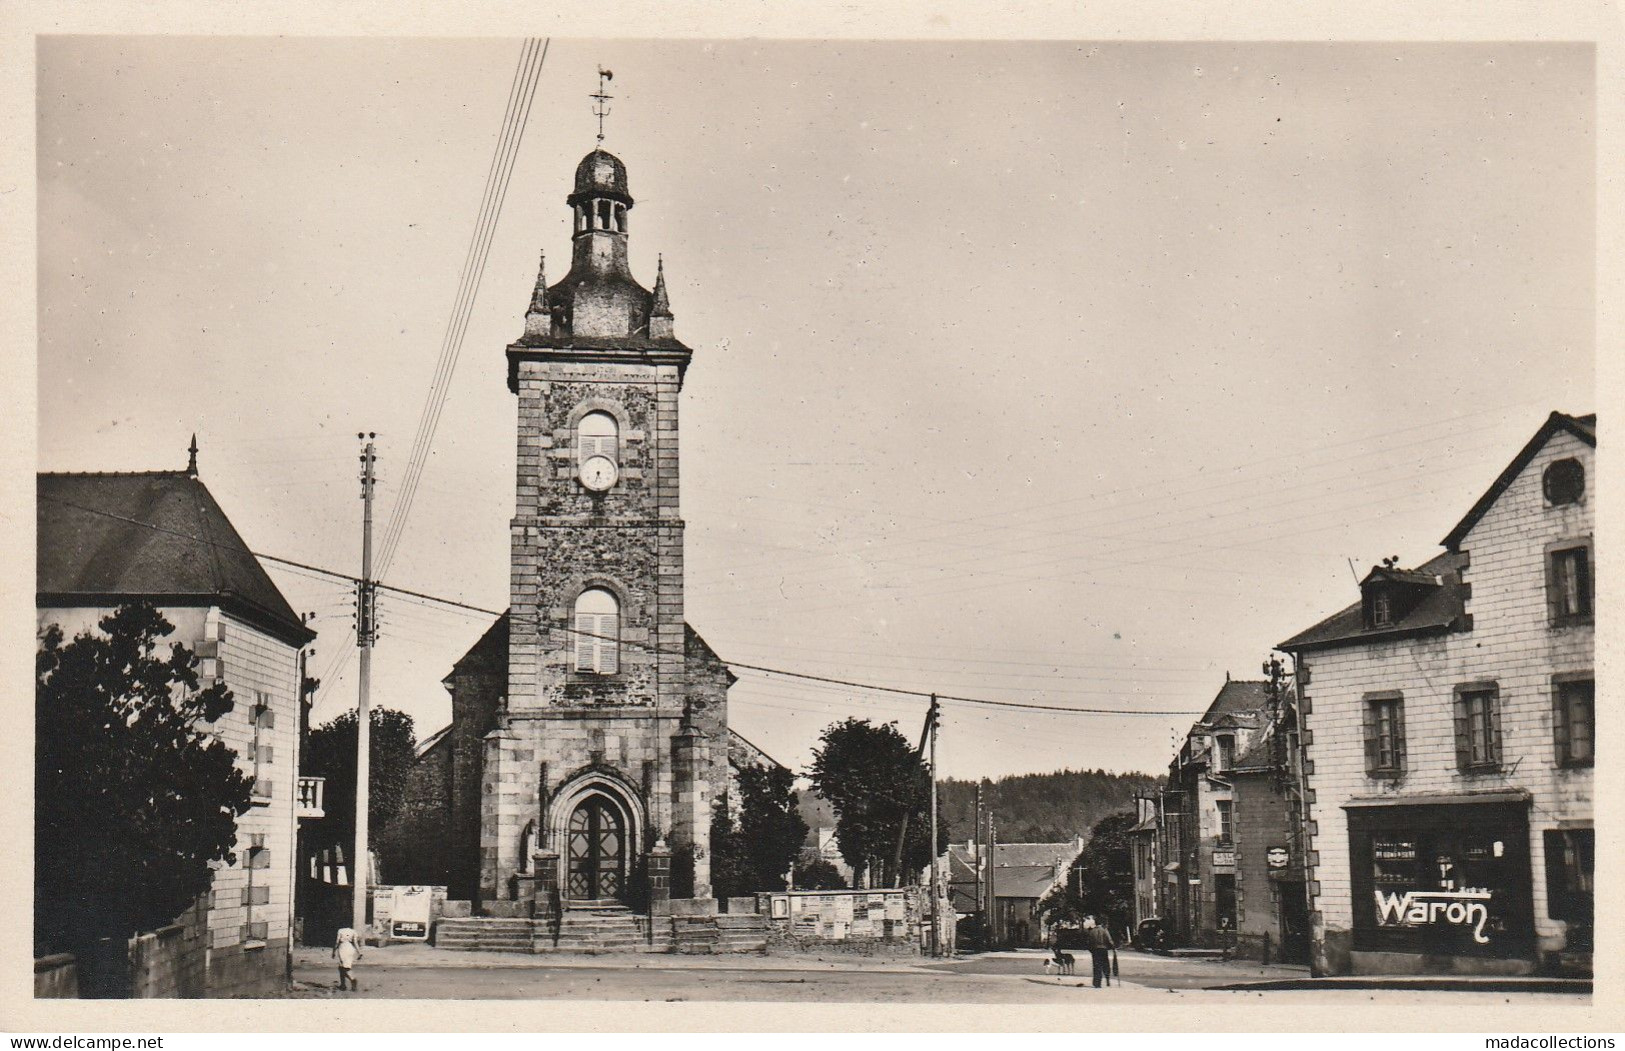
[{"x": 1571, "y": 986}]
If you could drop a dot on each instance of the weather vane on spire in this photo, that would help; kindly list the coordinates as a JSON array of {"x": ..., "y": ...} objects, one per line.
[{"x": 599, "y": 108}]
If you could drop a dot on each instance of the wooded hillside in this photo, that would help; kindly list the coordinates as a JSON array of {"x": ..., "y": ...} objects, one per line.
[{"x": 1042, "y": 808}]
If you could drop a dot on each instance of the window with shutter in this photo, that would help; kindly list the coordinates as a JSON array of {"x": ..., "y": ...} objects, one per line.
[
  {"x": 1373, "y": 761},
  {"x": 597, "y": 435},
  {"x": 1478, "y": 728},
  {"x": 1568, "y": 584},
  {"x": 1384, "y": 734},
  {"x": 597, "y": 623},
  {"x": 1574, "y": 720}
]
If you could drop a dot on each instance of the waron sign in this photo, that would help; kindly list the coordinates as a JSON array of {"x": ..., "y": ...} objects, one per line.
[{"x": 1415, "y": 908}]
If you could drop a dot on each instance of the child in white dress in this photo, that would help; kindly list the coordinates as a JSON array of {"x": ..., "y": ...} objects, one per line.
[{"x": 348, "y": 951}]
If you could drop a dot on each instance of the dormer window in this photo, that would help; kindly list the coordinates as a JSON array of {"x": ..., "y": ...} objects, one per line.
[
  {"x": 1224, "y": 754},
  {"x": 1564, "y": 482},
  {"x": 1382, "y": 608}
]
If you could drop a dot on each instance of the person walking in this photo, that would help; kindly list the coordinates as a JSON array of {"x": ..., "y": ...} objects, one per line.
[
  {"x": 1098, "y": 940},
  {"x": 348, "y": 951}
]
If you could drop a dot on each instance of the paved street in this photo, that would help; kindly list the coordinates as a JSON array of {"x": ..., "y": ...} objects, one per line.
[{"x": 423, "y": 972}]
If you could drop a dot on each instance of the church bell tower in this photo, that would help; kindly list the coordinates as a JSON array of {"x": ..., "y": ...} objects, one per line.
[{"x": 604, "y": 762}]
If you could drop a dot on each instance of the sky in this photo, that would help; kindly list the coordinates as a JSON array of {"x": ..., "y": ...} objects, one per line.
[{"x": 1078, "y": 374}]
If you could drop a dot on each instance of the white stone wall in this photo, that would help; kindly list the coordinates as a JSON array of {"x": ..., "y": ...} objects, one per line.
[
  {"x": 258, "y": 669},
  {"x": 1512, "y": 643}
]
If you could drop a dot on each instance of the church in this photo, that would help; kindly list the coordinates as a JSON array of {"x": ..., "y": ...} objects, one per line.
[{"x": 589, "y": 739}]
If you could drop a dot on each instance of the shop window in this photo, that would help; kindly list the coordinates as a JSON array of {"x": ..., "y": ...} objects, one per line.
[
  {"x": 1564, "y": 482},
  {"x": 1442, "y": 880},
  {"x": 1568, "y": 584},
  {"x": 598, "y": 632},
  {"x": 1384, "y": 734},
  {"x": 1226, "y": 822},
  {"x": 1574, "y": 720},
  {"x": 1478, "y": 728},
  {"x": 1570, "y": 856}
]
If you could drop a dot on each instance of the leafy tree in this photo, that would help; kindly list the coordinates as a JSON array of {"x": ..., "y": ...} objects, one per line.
[
  {"x": 755, "y": 854},
  {"x": 872, "y": 777},
  {"x": 1103, "y": 878},
  {"x": 133, "y": 797},
  {"x": 730, "y": 865},
  {"x": 330, "y": 752},
  {"x": 818, "y": 874},
  {"x": 771, "y": 828}
]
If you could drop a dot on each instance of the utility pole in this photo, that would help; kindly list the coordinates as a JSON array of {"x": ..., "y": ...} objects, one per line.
[
  {"x": 936, "y": 906},
  {"x": 992, "y": 883},
  {"x": 364, "y": 631},
  {"x": 976, "y": 835}
]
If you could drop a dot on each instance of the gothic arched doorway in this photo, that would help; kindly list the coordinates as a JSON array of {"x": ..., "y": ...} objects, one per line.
[{"x": 595, "y": 850}]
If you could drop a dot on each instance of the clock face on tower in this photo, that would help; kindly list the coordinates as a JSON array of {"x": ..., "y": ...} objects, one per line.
[{"x": 598, "y": 473}]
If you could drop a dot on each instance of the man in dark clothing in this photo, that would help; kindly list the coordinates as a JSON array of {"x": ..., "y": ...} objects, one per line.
[{"x": 1098, "y": 940}]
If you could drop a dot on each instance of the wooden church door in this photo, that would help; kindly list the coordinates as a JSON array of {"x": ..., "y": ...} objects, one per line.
[{"x": 597, "y": 851}]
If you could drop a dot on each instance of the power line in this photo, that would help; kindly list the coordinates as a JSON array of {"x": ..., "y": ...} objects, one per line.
[{"x": 521, "y": 96}]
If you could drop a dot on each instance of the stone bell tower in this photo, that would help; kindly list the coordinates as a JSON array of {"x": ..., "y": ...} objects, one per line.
[{"x": 603, "y": 763}]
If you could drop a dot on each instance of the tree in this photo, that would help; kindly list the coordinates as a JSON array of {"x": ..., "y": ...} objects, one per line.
[
  {"x": 756, "y": 853},
  {"x": 1104, "y": 883},
  {"x": 331, "y": 753},
  {"x": 771, "y": 828},
  {"x": 873, "y": 778},
  {"x": 133, "y": 797},
  {"x": 818, "y": 874},
  {"x": 730, "y": 875}
]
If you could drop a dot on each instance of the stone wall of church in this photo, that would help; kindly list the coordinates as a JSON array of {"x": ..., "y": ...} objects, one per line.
[{"x": 477, "y": 686}]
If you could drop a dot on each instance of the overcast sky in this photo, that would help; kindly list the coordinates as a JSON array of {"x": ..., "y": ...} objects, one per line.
[{"x": 1068, "y": 373}]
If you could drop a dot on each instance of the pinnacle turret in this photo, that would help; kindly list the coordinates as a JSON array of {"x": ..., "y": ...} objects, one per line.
[{"x": 538, "y": 319}]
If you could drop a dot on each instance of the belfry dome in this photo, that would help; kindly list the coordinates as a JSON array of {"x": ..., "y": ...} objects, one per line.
[{"x": 601, "y": 174}]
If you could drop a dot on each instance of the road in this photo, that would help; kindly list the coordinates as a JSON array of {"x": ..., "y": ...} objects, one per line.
[{"x": 422, "y": 972}]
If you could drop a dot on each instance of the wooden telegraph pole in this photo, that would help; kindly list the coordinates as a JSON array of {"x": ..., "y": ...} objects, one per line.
[
  {"x": 364, "y": 632},
  {"x": 936, "y": 886}
]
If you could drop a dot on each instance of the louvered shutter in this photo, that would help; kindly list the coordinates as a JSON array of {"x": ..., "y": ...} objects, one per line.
[
  {"x": 1399, "y": 736},
  {"x": 1372, "y": 753},
  {"x": 1492, "y": 701},
  {"x": 1464, "y": 745},
  {"x": 586, "y": 628},
  {"x": 1562, "y": 709},
  {"x": 609, "y": 648}
]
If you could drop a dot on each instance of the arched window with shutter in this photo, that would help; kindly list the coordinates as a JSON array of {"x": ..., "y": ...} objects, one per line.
[
  {"x": 597, "y": 632},
  {"x": 598, "y": 435}
]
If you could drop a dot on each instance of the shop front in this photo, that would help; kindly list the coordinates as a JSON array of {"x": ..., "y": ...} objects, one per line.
[{"x": 1442, "y": 886}]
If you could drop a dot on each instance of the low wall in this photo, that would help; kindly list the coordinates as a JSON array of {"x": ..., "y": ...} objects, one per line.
[
  {"x": 886, "y": 921},
  {"x": 56, "y": 977}
]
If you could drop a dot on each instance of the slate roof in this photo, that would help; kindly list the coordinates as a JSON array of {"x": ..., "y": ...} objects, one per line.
[
  {"x": 1023, "y": 881},
  {"x": 1026, "y": 854},
  {"x": 433, "y": 739},
  {"x": 1582, "y": 427},
  {"x": 159, "y": 535},
  {"x": 1438, "y": 611},
  {"x": 742, "y": 753},
  {"x": 1237, "y": 697}
]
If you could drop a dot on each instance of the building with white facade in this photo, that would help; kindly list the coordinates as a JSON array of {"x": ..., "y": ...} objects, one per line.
[{"x": 1448, "y": 738}]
